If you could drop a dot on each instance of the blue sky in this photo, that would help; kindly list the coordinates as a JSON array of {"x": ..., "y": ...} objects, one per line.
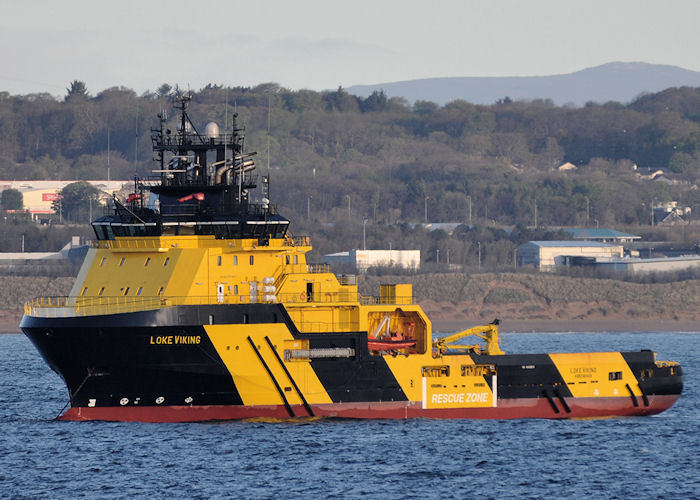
[{"x": 323, "y": 44}]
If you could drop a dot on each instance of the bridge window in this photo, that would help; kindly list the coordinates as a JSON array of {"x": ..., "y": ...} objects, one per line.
[
  {"x": 99, "y": 232},
  {"x": 252, "y": 259},
  {"x": 218, "y": 260}
]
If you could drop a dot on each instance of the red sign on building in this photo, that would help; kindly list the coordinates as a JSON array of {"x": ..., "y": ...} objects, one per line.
[{"x": 50, "y": 196}]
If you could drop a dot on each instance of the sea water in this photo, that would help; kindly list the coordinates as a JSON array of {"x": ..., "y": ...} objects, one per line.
[{"x": 639, "y": 457}]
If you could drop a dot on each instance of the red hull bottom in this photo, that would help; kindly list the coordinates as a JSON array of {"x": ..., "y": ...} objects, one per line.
[{"x": 507, "y": 409}]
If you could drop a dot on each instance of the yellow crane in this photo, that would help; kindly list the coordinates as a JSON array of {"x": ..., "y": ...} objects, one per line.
[{"x": 488, "y": 333}]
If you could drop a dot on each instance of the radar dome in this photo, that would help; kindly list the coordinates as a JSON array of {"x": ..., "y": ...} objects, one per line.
[{"x": 211, "y": 129}]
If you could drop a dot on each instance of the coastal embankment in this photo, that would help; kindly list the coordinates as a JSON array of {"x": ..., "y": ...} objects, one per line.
[
  {"x": 454, "y": 301},
  {"x": 545, "y": 302}
]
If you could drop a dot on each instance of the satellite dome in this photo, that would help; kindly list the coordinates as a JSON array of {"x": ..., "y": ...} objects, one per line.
[{"x": 211, "y": 129}]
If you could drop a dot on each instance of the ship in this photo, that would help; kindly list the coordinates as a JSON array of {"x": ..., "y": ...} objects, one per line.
[{"x": 195, "y": 302}]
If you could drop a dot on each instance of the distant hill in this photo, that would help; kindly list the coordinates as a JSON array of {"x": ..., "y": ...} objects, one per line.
[{"x": 616, "y": 81}]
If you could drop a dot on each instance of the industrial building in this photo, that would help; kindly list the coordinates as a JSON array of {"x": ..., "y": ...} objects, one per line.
[
  {"x": 38, "y": 195},
  {"x": 601, "y": 235},
  {"x": 655, "y": 265},
  {"x": 548, "y": 255},
  {"x": 34, "y": 263},
  {"x": 361, "y": 260}
]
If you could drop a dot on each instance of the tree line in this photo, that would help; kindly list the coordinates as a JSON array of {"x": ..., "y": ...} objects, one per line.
[{"x": 340, "y": 159}]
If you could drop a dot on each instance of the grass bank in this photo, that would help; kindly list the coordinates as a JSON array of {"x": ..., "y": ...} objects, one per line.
[{"x": 453, "y": 300}]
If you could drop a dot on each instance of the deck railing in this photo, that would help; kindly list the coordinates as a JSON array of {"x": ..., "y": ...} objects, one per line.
[{"x": 64, "y": 307}]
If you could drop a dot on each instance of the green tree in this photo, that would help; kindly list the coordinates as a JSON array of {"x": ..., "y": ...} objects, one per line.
[
  {"x": 164, "y": 90},
  {"x": 12, "y": 199},
  {"x": 76, "y": 201},
  {"x": 77, "y": 89}
]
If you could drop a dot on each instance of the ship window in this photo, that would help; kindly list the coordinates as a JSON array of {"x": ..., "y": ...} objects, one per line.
[
  {"x": 102, "y": 262},
  {"x": 148, "y": 261},
  {"x": 615, "y": 376},
  {"x": 235, "y": 260},
  {"x": 84, "y": 291},
  {"x": 167, "y": 260},
  {"x": 218, "y": 260},
  {"x": 160, "y": 291},
  {"x": 99, "y": 232},
  {"x": 126, "y": 291},
  {"x": 235, "y": 289},
  {"x": 138, "y": 292},
  {"x": 102, "y": 290},
  {"x": 121, "y": 262},
  {"x": 647, "y": 373},
  {"x": 296, "y": 259},
  {"x": 252, "y": 259},
  {"x": 245, "y": 319},
  {"x": 286, "y": 258}
]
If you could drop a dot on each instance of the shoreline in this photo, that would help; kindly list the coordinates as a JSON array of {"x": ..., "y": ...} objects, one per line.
[{"x": 534, "y": 326}]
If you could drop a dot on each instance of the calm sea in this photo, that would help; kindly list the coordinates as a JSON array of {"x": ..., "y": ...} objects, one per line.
[{"x": 646, "y": 457}]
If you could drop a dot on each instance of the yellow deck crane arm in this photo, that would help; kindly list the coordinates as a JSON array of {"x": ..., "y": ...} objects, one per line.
[{"x": 488, "y": 333}]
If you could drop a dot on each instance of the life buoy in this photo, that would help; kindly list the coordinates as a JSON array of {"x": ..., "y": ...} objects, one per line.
[{"x": 302, "y": 297}]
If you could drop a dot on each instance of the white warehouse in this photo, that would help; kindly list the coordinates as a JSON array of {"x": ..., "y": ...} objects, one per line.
[
  {"x": 363, "y": 259},
  {"x": 547, "y": 255}
]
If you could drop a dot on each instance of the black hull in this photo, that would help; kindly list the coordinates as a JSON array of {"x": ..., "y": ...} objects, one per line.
[{"x": 115, "y": 362}]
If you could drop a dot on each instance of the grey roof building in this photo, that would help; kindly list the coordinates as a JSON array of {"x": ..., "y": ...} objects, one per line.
[
  {"x": 547, "y": 255},
  {"x": 602, "y": 235}
]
